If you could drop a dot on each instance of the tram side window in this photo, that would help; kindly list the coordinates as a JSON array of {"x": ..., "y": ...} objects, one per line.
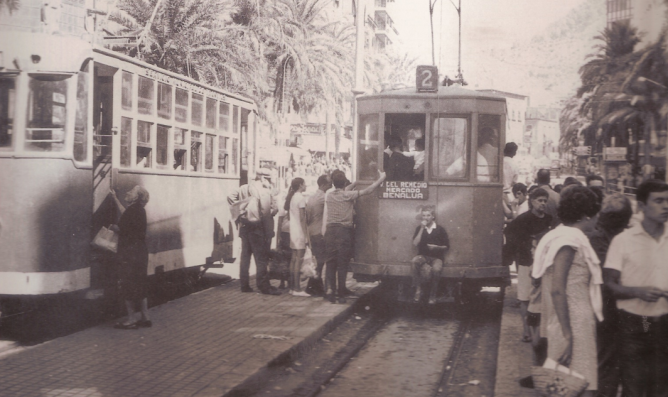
[
  {"x": 235, "y": 144},
  {"x": 162, "y": 139},
  {"x": 448, "y": 148},
  {"x": 222, "y": 154},
  {"x": 7, "y": 101},
  {"x": 224, "y": 117},
  {"x": 210, "y": 113},
  {"x": 197, "y": 109},
  {"x": 368, "y": 146},
  {"x": 47, "y": 113},
  {"x": 489, "y": 126},
  {"x": 126, "y": 91},
  {"x": 164, "y": 101},
  {"x": 126, "y": 134},
  {"x": 235, "y": 120},
  {"x": 81, "y": 117},
  {"x": 195, "y": 151},
  {"x": 208, "y": 152},
  {"x": 144, "y": 144},
  {"x": 145, "y": 95},
  {"x": 181, "y": 111},
  {"x": 180, "y": 149}
]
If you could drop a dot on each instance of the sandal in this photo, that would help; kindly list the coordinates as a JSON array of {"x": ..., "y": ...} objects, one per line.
[
  {"x": 126, "y": 326},
  {"x": 144, "y": 323},
  {"x": 526, "y": 339}
]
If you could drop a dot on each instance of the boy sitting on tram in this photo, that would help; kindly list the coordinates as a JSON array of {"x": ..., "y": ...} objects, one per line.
[{"x": 432, "y": 242}]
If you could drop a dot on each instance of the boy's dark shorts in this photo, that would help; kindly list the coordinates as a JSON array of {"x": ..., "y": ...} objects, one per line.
[{"x": 533, "y": 319}]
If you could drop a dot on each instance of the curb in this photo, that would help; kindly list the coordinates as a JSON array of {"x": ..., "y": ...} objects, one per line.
[{"x": 254, "y": 382}]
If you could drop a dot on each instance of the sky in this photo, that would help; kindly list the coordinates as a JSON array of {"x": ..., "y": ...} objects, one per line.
[{"x": 485, "y": 24}]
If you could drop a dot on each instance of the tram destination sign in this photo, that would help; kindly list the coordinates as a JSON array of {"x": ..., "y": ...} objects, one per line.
[{"x": 404, "y": 190}]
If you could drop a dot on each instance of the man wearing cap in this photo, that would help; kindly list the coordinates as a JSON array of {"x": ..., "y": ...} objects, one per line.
[{"x": 254, "y": 236}]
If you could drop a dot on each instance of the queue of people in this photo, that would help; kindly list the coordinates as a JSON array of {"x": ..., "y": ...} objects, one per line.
[{"x": 593, "y": 290}]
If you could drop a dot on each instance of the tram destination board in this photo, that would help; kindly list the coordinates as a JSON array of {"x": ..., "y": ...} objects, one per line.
[{"x": 404, "y": 190}]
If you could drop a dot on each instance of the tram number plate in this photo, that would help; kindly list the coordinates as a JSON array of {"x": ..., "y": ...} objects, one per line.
[
  {"x": 404, "y": 190},
  {"x": 426, "y": 78}
]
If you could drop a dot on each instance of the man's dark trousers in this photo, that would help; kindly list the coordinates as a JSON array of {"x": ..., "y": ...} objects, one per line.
[
  {"x": 338, "y": 247},
  {"x": 644, "y": 355},
  {"x": 253, "y": 242}
]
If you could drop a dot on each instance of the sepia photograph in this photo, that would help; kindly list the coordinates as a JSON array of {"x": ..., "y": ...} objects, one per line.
[{"x": 333, "y": 198}]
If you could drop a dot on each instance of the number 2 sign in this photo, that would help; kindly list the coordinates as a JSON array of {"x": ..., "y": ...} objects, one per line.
[{"x": 426, "y": 78}]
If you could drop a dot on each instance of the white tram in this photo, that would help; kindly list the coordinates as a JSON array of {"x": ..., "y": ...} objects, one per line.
[{"x": 77, "y": 121}]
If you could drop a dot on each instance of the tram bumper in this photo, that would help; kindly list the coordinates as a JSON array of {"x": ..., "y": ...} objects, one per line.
[{"x": 379, "y": 271}]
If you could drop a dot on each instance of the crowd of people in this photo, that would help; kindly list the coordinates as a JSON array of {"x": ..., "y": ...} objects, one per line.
[{"x": 592, "y": 280}]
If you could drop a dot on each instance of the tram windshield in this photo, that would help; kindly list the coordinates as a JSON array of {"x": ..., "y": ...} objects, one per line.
[
  {"x": 7, "y": 100},
  {"x": 404, "y": 141},
  {"x": 47, "y": 112}
]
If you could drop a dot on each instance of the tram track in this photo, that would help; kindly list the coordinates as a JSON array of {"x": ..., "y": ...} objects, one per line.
[{"x": 397, "y": 350}]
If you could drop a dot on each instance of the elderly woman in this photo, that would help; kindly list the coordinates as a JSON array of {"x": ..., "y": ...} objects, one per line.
[
  {"x": 564, "y": 257},
  {"x": 133, "y": 256}
]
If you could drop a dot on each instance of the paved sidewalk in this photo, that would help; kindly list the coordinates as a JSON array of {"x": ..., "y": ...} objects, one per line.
[
  {"x": 211, "y": 343},
  {"x": 515, "y": 357}
]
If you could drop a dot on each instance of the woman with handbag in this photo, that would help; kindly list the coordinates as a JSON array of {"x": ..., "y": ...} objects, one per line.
[
  {"x": 295, "y": 204},
  {"x": 571, "y": 283},
  {"x": 132, "y": 256}
]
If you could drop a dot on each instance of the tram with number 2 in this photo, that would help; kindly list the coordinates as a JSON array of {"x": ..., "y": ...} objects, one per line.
[
  {"x": 78, "y": 121},
  {"x": 462, "y": 133}
]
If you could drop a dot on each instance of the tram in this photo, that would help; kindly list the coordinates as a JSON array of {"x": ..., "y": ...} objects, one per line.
[
  {"x": 462, "y": 132},
  {"x": 78, "y": 121}
]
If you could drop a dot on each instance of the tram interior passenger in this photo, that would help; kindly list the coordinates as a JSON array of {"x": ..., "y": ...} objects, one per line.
[{"x": 404, "y": 155}]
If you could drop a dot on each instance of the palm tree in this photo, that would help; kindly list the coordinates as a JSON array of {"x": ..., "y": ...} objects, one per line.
[{"x": 10, "y": 5}]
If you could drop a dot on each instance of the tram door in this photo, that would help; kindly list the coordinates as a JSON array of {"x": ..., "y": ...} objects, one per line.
[{"x": 104, "y": 211}]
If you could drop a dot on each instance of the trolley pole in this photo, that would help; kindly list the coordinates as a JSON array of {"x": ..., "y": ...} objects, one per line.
[{"x": 359, "y": 75}]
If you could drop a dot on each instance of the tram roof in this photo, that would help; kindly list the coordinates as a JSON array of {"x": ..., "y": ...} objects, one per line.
[{"x": 449, "y": 92}]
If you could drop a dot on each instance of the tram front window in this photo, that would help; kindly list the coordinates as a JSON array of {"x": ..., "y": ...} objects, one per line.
[
  {"x": 404, "y": 154},
  {"x": 488, "y": 148},
  {"x": 47, "y": 113},
  {"x": 448, "y": 149},
  {"x": 368, "y": 146},
  {"x": 7, "y": 97}
]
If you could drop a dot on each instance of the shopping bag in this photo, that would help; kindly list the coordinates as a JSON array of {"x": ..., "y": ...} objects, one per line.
[
  {"x": 553, "y": 379},
  {"x": 106, "y": 239},
  {"x": 308, "y": 265}
]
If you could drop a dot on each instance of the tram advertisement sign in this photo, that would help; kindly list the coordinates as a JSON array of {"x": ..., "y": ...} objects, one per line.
[
  {"x": 426, "y": 78},
  {"x": 404, "y": 190}
]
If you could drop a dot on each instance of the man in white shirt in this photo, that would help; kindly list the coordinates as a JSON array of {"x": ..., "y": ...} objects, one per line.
[
  {"x": 636, "y": 271},
  {"x": 510, "y": 171}
]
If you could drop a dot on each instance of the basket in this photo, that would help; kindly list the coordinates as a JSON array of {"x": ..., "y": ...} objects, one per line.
[{"x": 557, "y": 382}]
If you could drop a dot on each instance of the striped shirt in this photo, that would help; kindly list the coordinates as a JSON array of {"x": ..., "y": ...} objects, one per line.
[{"x": 340, "y": 206}]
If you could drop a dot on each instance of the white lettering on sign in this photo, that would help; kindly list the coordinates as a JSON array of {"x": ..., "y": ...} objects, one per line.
[{"x": 404, "y": 190}]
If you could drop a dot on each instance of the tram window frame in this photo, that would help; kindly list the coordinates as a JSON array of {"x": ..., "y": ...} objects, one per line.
[
  {"x": 492, "y": 121},
  {"x": 145, "y": 95},
  {"x": 40, "y": 135},
  {"x": 81, "y": 115},
  {"x": 197, "y": 109},
  {"x": 126, "y": 90},
  {"x": 235, "y": 119},
  {"x": 371, "y": 146},
  {"x": 144, "y": 149},
  {"x": 180, "y": 160},
  {"x": 438, "y": 173},
  {"x": 7, "y": 111},
  {"x": 195, "y": 164},
  {"x": 162, "y": 146},
  {"x": 223, "y": 155},
  {"x": 224, "y": 116},
  {"x": 209, "y": 140},
  {"x": 235, "y": 156},
  {"x": 165, "y": 100},
  {"x": 126, "y": 142},
  {"x": 180, "y": 108}
]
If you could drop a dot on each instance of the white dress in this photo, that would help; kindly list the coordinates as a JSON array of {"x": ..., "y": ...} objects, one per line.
[{"x": 297, "y": 236}]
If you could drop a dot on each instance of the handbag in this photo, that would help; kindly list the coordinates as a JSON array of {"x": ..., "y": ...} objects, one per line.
[
  {"x": 553, "y": 379},
  {"x": 308, "y": 265},
  {"x": 106, "y": 239}
]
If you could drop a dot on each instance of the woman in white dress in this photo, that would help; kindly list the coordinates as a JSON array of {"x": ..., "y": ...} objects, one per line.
[{"x": 295, "y": 204}]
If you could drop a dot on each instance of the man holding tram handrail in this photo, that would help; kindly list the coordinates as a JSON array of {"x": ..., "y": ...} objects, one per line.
[
  {"x": 339, "y": 231},
  {"x": 432, "y": 242},
  {"x": 255, "y": 236}
]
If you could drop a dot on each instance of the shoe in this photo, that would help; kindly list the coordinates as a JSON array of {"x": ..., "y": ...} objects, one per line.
[
  {"x": 246, "y": 289},
  {"x": 526, "y": 339},
  {"x": 342, "y": 301},
  {"x": 418, "y": 295},
  {"x": 347, "y": 292},
  {"x": 330, "y": 297},
  {"x": 432, "y": 301},
  {"x": 126, "y": 326},
  {"x": 527, "y": 382},
  {"x": 301, "y": 293},
  {"x": 144, "y": 323},
  {"x": 270, "y": 292}
]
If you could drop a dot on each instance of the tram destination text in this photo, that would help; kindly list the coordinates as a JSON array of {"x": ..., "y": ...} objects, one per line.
[{"x": 404, "y": 190}]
